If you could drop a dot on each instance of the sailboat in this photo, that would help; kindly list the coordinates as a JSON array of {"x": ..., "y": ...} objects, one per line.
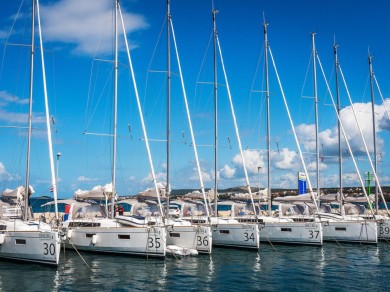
[
  {"x": 227, "y": 232},
  {"x": 181, "y": 233},
  {"x": 279, "y": 229},
  {"x": 183, "y": 237},
  {"x": 338, "y": 227},
  {"x": 382, "y": 220},
  {"x": 97, "y": 231},
  {"x": 21, "y": 237}
]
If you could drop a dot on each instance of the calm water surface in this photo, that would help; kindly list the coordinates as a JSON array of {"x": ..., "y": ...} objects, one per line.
[{"x": 290, "y": 268}]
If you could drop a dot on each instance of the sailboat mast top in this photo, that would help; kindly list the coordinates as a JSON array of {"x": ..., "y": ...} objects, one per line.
[
  {"x": 214, "y": 13},
  {"x": 314, "y": 53},
  {"x": 267, "y": 95},
  {"x": 373, "y": 128},
  {"x": 32, "y": 52}
]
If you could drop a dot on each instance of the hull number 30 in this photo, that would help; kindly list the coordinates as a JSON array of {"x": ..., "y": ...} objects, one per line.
[{"x": 49, "y": 249}]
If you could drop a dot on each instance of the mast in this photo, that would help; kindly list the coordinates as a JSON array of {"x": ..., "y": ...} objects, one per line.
[
  {"x": 316, "y": 115},
  {"x": 266, "y": 44},
  {"x": 27, "y": 182},
  {"x": 115, "y": 110},
  {"x": 373, "y": 129},
  {"x": 168, "y": 102},
  {"x": 214, "y": 12},
  {"x": 47, "y": 117},
  {"x": 336, "y": 61},
  {"x": 189, "y": 122}
]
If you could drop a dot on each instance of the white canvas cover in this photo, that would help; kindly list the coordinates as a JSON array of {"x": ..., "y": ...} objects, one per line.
[
  {"x": 97, "y": 193},
  {"x": 17, "y": 193}
]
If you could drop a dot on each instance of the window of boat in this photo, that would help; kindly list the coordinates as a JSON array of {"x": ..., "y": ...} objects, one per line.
[
  {"x": 224, "y": 231},
  {"x": 3, "y": 227},
  {"x": 224, "y": 207},
  {"x": 340, "y": 228},
  {"x": 286, "y": 229},
  {"x": 173, "y": 234},
  {"x": 20, "y": 241},
  {"x": 89, "y": 235},
  {"x": 123, "y": 236}
]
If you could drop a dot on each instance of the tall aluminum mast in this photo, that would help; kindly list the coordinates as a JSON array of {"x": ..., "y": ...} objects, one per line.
[
  {"x": 316, "y": 115},
  {"x": 168, "y": 102},
  {"x": 214, "y": 12},
  {"x": 32, "y": 51},
  {"x": 266, "y": 44},
  {"x": 115, "y": 109},
  {"x": 373, "y": 130},
  {"x": 337, "y": 64}
]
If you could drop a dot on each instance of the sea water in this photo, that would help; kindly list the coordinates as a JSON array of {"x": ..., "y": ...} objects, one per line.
[{"x": 333, "y": 267}]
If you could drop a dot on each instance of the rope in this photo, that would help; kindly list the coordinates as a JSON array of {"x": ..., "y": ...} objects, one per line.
[{"x": 69, "y": 240}]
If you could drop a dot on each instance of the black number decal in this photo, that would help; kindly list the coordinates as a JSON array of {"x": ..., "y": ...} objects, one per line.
[
  {"x": 313, "y": 234},
  {"x": 49, "y": 249},
  {"x": 154, "y": 243},
  {"x": 248, "y": 237},
  {"x": 384, "y": 230},
  {"x": 202, "y": 241},
  {"x": 157, "y": 242}
]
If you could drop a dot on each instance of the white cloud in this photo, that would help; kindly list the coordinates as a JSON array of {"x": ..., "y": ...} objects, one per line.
[
  {"x": 227, "y": 172},
  {"x": 4, "y": 174},
  {"x": 284, "y": 181},
  {"x": 206, "y": 175},
  {"x": 253, "y": 160},
  {"x": 328, "y": 138},
  {"x": 85, "y": 24},
  {"x": 285, "y": 159},
  {"x": 148, "y": 179},
  {"x": 312, "y": 166},
  {"x": 86, "y": 179},
  {"x": 7, "y": 97}
]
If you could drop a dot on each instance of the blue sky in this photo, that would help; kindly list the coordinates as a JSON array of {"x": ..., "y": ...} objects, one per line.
[{"x": 78, "y": 36}]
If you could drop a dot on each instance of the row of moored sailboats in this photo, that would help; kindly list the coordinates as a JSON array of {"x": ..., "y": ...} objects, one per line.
[{"x": 154, "y": 225}]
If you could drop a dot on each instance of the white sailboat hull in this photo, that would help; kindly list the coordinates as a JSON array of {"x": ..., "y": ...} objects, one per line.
[
  {"x": 236, "y": 235},
  {"x": 305, "y": 233},
  {"x": 351, "y": 231},
  {"x": 191, "y": 237},
  {"x": 384, "y": 229},
  {"x": 29, "y": 241},
  {"x": 142, "y": 241}
]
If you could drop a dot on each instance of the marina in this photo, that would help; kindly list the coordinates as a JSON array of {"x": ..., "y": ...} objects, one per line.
[
  {"x": 172, "y": 182},
  {"x": 293, "y": 268}
]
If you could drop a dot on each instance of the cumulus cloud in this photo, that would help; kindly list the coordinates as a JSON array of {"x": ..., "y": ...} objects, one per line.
[
  {"x": 227, "y": 172},
  {"x": 284, "y": 181},
  {"x": 85, "y": 24},
  {"x": 253, "y": 160},
  {"x": 285, "y": 159},
  {"x": 207, "y": 176},
  {"x": 328, "y": 138}
]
